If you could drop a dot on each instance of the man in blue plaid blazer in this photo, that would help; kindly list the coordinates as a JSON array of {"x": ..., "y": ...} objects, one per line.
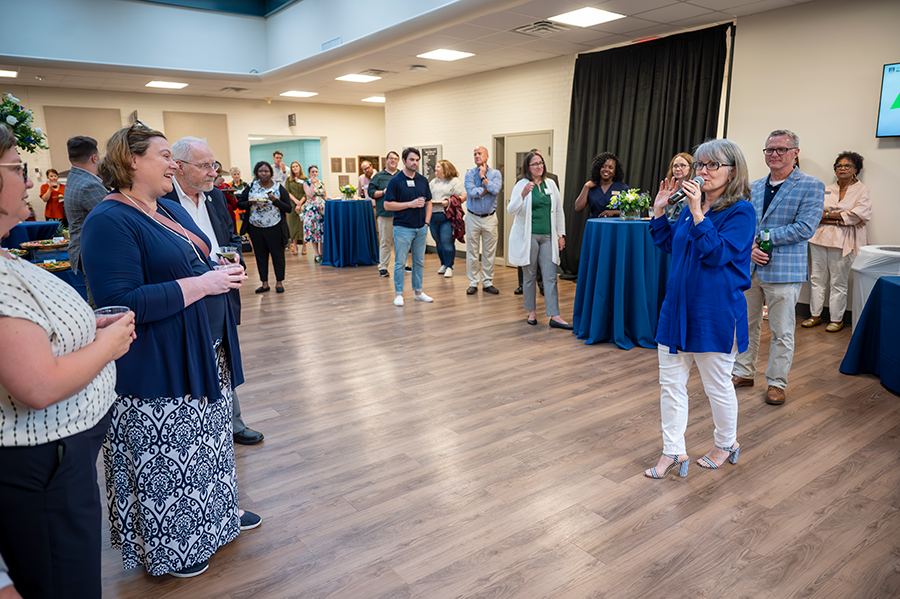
[
  {"x": 84, "y": 190},
  {"x": 789, "y": 204}
]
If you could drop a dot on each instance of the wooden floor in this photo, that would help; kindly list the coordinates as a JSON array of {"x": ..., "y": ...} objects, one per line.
[{"x": 450, "y": 450}]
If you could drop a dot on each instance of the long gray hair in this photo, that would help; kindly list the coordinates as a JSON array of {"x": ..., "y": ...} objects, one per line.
[{"x": 727, "y": 152}]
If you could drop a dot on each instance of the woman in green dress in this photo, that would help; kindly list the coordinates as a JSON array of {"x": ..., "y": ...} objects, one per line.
[{"x": 294, "y": 185}]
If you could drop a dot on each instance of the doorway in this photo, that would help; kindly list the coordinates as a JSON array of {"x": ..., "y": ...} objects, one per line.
[{"x": 510, "y": 151}]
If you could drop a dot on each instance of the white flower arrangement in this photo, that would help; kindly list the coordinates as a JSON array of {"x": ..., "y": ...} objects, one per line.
[{"x": 19, "y": 119}]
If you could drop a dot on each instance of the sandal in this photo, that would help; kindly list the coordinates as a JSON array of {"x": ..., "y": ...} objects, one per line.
[
  {"x": 734, "y": 450},
  {"x": 682, "y": 470}
]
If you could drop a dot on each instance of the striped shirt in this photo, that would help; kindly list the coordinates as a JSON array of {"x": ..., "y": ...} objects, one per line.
[{"x": 34, "y": 294}]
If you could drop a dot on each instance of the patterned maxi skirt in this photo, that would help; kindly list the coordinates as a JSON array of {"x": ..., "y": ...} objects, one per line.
[{"x": 171, "y": 482}]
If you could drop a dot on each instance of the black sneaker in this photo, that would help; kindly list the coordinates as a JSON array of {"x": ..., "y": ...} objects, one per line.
[
  {"x": 409, "y": 269},
  {"x": 382, "y": 272},
  {"x": 191, "y": 571},
  {"x": 250, "y": 520}
]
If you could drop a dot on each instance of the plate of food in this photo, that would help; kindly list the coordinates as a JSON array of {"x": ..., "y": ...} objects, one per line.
[
  {"x": 18, "y": 253},
  {"x": 54, "y": 265},
  {"x": 44, "y": 244}
]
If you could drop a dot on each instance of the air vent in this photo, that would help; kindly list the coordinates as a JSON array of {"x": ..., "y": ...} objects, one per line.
[
  {"x": 376, "y": 73},
  {"x": 541, "y": 29},
  {"x": 236, "y": 90}
]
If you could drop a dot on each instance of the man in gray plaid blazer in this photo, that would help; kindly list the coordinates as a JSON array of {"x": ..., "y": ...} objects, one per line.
[
  {"x": 789, "y": 204},
  {"x": 84, "y": 190}
]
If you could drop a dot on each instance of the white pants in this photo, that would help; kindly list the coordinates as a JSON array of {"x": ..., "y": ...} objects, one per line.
[
  {"x": 715, "y": 371},
  {"x": 385, "y": 240},
  {"x": 828, "y": 267},
  {"x": 481, "y": 231},
  {"x": 781, "y": 299}
]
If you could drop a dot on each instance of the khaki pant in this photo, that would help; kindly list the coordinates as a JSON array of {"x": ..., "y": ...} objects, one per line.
[
  {"x": 385, "y": 240},
  {"x": 481, "y": 233},
  {"x": 781, "y": 298}
]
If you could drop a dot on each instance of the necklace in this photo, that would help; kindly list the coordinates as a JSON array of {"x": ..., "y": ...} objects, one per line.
[{"x": 176, "y": 233}]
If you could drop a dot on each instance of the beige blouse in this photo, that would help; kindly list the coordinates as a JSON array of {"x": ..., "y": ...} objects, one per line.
[{"x": 856, "y": 212}]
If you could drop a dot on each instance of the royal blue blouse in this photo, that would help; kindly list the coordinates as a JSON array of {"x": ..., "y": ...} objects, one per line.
[
  {"x": 130, "y": 260},
  {"x": 705, "y": 309}
]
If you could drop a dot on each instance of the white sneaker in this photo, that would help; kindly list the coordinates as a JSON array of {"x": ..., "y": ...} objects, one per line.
[
  {"x": 398, "y": 300},
  {"x": 442, "y": 269},
  {"x": 448, "y": 273},
  {"x": 421, "y": 297}
]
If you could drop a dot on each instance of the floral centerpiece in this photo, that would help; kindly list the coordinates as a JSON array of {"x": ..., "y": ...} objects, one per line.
[
  {"x": 630, "y": 203},
  {"x": 19, "y": 120},
  {"x": 348, "y": 191}
]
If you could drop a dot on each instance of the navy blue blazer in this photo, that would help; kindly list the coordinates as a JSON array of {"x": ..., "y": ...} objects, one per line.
[
  {"x": 222, "y": 224},
  {"x": 130, "y": 260}
]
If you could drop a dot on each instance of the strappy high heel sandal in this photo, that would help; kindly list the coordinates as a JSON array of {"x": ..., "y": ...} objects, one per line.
[
  {"x": 733, "y": 452},
  {"x": 682, "y": 468}
]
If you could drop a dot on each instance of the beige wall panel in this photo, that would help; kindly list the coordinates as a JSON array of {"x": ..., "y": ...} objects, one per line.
[
  {"x": 64, "y": 122},
  {"x": 214, "y": 127}
]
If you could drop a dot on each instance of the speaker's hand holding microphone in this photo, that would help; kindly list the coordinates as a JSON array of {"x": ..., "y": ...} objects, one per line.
[{"x": 681, "y": 195}]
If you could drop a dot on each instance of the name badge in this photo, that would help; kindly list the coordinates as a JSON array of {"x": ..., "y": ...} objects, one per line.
[
  {"x": 410, "y": 183},
  {"x": 614, "y": 193}
]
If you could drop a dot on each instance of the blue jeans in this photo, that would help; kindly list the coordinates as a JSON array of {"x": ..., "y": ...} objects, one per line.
[
  {"x": 407, "y": 241},
  {"x": 442, "y": 233}
]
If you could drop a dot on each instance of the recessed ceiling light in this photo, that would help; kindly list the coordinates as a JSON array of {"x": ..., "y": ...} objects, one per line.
[
  {"x": 379, "y": 99},
  {"x": 357, "y": 78},
  {"x": 445, "y": 55},
  {"x": 166, "y": 85},
  {"x": 296, "y": 94},
  {"x": 9, "y": 73},
  {"x": 256, "y": 138},
  {"x": 586, "y": 17}
]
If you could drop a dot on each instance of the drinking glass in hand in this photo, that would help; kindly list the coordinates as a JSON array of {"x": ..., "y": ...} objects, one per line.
[{"x": 109, "y": 314}]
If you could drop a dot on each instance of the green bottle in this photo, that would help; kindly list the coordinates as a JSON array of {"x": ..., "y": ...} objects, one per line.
[{"x": 765, "y": 244}]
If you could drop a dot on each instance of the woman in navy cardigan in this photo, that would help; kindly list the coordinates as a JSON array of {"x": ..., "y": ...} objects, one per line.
[
  {"x": 703, "y": 318},
  {"x": 170, "y": 474}
]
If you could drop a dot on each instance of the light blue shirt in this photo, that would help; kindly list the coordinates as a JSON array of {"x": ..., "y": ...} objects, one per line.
[{"x": 481, "y": 198}]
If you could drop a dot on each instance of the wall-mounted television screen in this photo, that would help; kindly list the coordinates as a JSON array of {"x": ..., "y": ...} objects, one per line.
[{"x": 889, "y": 108}]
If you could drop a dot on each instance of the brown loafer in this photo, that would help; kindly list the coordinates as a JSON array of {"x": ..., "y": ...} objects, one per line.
[
  {"x": 834, "y": 327},
  {"x": 775, "y": 395},
  {"x": 811, "y": 322},
  {"x": 739, "y": 381},
  {"x": 471, "y": 290}
]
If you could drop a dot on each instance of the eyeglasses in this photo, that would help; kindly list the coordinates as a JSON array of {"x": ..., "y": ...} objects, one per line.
[
  {"x": 779, "y": 151},
  {"x": 19, "y": 166},
  {"x": 710, "y": 166},
  {"x": 203, "y": 167},
  {"x": 680, "y": 166},
  {"x": 843, "y": 166},
  {"x": 541, "y": 163}
]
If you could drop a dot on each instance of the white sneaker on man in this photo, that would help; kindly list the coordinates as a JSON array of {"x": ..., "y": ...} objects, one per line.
[
  {"x": 398, "y": 300},
  {"x": 442, "y": 269},
  {"x": 448, "y": 273},
  {"x": 421, "y": 297}
]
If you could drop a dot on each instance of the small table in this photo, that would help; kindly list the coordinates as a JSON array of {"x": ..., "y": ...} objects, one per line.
[
  {"x": 871, "y": 263},
  {"x": 874, "y": 347},
  {"x": 621, "y": 283},
  {"x": 29, "y": 231},
  {"x": 349, "y": 238}
]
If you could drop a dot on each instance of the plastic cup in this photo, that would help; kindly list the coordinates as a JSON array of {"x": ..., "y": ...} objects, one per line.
[
  {"x": 229, "y": 252},
  {"x": 109, "y": 314}
]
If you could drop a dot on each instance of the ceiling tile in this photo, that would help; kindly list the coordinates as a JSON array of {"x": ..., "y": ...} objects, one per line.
[
  {"x": 721, "y": 5},
  {"x": 543, "y": 9},
  {"x": 633, "y": 7},
  {"x": 623, "y": 26},
  {"x": 502, "y": 20},
  {"x": 554, "y": 47},
  {"x": 476, "y": 47},
  {"x": 758, "y": 7},
  {"x": 507, "y": 38},
  {"x": 706, "y": 19},
  {"x": 468, "y": 32},
  {"x": 671, "y": 13}
]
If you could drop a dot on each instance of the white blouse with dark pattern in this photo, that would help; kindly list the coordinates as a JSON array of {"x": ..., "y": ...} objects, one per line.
[
  {"x": 31, "y": 293},
  {"x": 263, "y": 214}
]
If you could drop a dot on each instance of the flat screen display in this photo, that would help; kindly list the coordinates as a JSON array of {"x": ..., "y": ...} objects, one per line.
[{"x": 889, "y": 107}]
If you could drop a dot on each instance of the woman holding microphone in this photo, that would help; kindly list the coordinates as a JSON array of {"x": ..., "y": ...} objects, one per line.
[{"x": 703, "y": 319}]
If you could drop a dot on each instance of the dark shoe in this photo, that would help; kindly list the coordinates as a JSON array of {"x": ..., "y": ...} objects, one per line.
[
  {"x": 191, "y": 571},
  {"x": 250, "y": 520},
  {"x": 558, "y": 325},
  {"x": 739, "y": 381},
  {"x": 382, "y": 272},
  {"x": 471, "y": 290},
  {"x": 491, "y": 289},
  {"x": 408, "y": 269},
  {"x": 262, "y": 289},
  {"x": 775, "y": 396},
  {"x": 279, "y": 290},
  {"x": 248, "y": 436},
  {"x": 518, "y": 291},
  {"x": 529, "y": 321},
  {"x": 318, "y": 259},
  {"x": 541, "y": 287}
]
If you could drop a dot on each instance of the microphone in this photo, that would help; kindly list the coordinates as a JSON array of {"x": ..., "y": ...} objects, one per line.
[{"x": 680, "y": 195}]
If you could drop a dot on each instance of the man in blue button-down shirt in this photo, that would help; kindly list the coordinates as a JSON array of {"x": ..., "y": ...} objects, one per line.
[{"x": 483, "y": 183}]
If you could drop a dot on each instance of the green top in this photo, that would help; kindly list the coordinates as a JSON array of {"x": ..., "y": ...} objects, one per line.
[
  {"x": 380, "y": 182},
  {"x": 295, "y": 188},
  {"x": 540, "y": 210}
]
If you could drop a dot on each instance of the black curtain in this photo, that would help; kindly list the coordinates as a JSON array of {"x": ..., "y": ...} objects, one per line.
[{"x": 645, "y": 103}]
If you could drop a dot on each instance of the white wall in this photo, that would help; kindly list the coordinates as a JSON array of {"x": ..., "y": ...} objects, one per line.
[
  {"x": 816, "y": 69},
  {"x": 346, "y": 131}
]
